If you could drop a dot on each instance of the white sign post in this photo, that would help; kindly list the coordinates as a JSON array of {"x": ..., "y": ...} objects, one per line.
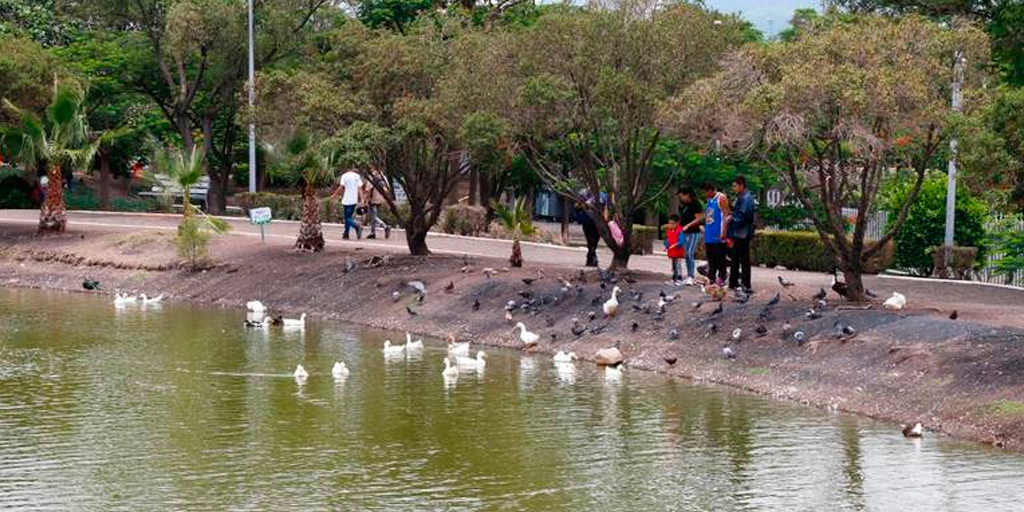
[{"x": 260, "y": 217}]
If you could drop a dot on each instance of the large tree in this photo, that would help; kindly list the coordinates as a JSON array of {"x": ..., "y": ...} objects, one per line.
[
  {"x": 834, "y": 111},
  {"x": 591, "y": 82}
]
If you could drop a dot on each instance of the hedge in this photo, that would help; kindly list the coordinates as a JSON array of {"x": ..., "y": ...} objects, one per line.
[
  {"x": 288, "y": 206},
  {"x": 801, "y": 250}
]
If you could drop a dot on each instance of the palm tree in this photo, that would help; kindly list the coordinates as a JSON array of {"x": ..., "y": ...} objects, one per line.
[
  {"x": 518, "y": 220},
  {"x": 185, "y": 169},
  {"x": 309, "y": 166},
  {"x": 60, "y": 141}
]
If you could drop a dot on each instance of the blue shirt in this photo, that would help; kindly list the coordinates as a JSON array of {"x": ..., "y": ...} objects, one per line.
[
  {"x": 713, "y": 220},
  {"x": 741, "y": 222}
]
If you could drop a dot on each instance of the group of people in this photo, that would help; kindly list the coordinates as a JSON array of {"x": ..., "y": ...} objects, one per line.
[
  {"x": 361, "y": 197},
  {"x": 727, "y": 231}
]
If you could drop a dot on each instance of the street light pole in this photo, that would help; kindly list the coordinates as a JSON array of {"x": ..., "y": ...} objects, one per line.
[
  {"x": 958, "y": 80},
  {"x": 252, "y": 104}
]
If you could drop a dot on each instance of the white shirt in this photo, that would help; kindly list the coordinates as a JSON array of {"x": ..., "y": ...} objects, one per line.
[{"x": 352, "y": 182}]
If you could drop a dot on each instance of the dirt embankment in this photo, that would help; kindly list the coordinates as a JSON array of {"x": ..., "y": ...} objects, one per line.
[{"x": 964, "y": 379}]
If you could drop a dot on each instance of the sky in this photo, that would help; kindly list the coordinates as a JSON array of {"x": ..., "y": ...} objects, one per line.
[{"x": 764, "y": 12}]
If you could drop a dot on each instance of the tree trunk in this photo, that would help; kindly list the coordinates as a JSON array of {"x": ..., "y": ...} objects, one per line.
[
  {"x": 854, "y": 284},
  {"x": 516, "y": 260},
  {"x": 620, "y": 258},
  {"x": 311, "y": 234},
  {"x": 566, "y": 207},
  {"x": 474, "y": 186},
  {"x": 416, "y": 239},
  {"x": 104, "y": 181},
  {"x": 52, "y": 215}
]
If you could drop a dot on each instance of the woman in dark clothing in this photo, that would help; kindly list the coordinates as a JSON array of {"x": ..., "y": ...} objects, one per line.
[{"x": 589, "y": 230}]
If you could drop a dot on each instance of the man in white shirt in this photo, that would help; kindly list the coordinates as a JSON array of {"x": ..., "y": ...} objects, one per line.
[{"x": 350, "y": 185}]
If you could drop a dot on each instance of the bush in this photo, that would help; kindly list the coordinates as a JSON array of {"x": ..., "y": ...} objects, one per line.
[
  {"x": 960, "y": 263},
  {"x": 283, "y": 206},
  {"x": 783, "y": 217},
  {"x": 926, "y": 223},
  {"x": 801, "y": 250},
  {"x": 1008, "y": 242},
  {"x": 463, "y": 219},
  {"x": 642, "y": 239}
]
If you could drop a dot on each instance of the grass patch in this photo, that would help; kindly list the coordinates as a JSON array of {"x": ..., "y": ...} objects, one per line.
[
  {"x": 1005, "y": 408},
  {"x": 758, "y": 370}
]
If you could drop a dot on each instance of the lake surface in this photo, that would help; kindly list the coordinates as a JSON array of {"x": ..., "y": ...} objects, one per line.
[{"x": 181, "y": 408}]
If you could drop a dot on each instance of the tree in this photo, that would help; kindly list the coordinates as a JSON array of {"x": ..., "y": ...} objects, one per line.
[
  {"x": 594, "y": 81},
  {"x": 61, "y": 141},
  {"x": 518, "y": 220},
  {"x": 26, "y": 74},
  {"x": 992, "y": 153},
  {"x": 309, "y": 166},
  {"x": 185, "y": 169},
  {"x": 833, "y": 111}
]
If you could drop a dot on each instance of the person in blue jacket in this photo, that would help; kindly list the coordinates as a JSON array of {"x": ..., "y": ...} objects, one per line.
[{"x": 740, "y": 231}]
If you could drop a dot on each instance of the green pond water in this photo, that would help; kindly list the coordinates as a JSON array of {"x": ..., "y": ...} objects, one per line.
[{"x": 182, "y": 408}]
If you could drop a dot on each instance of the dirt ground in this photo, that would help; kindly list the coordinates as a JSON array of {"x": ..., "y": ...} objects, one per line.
[{"x": 961, "y": 378}]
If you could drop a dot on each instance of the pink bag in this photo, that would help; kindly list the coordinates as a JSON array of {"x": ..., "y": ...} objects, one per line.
[{"x": 616, "y": 232}]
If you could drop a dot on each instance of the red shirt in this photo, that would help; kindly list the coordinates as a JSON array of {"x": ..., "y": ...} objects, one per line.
[{"x": 674, "y": 237}]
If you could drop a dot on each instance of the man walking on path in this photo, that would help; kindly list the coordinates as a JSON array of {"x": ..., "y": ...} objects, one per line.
[
  {"x": 740, "y": 231},
  {"x": 716, "y": 217},
  {"x": 589, "y": 231},
  {"x": 691, "y": 215},
  {"x": 374, "y": 201},
  {"x": 350, "y": 185}
]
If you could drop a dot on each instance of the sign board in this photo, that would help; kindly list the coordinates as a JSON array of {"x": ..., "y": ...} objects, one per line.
[{"x": 260, "y": 216}]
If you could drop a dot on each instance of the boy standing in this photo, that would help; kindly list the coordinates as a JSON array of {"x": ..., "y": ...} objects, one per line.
[
  {"x": 674, "y": 247},
  {"x": 716, "y": 219}
]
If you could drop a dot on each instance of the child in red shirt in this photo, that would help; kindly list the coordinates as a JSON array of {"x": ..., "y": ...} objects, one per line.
[{"x": 674, "y": 247}]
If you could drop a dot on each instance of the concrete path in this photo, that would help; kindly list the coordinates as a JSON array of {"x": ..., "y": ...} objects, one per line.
[{"x": 983, "y": 302}]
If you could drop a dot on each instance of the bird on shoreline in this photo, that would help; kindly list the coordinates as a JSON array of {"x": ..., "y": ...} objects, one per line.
[
  {"x": 611, "y": 306},
  {"x": 671, "y": 361},
  {"x": 91, "y": 284},
  {"x": 564, "y": 357},
  {"x": 785, "y": 283},
  {"x": 954, "y": 315},
  {"x": 528, "y": 338},
  {"x": 895, "y": 303},
  {"x": 774, "y": 300},
  {"x": 449, "y": 287},
  {"x": 476, "y": 304},
  {"x": 820, "y": 295},
  {"x": 913, "y": 431},
  {"x": 577, "y": 328}
]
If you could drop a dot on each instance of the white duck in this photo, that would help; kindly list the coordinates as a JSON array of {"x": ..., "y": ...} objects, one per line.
[
  {"x": 449, "y": 372},
  {"x": 457, "y": 349},
  {"x": 412, "y": 345},
  {"x": 294, "y": 322},
  {"x": 151, "y": 300},
  {"x": 528, "y": 338},
  {"x": 611, "y": 306},
  {"x": 123, "y": 298},
  {"x": 613, "y": 372},
  {"x": 565, "y": 357},
  {"x": 300, "y": 372},
  {"x": 255, "y": 306},
  {"x": 476, "y": 363},
  {"x": 897, "y": 302},
  {"x": 339, "y": 371},
  {"x": 391, "y": 350}
]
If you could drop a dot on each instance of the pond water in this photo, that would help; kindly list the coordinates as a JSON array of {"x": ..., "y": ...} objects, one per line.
[{"x": 181, "y": 408}]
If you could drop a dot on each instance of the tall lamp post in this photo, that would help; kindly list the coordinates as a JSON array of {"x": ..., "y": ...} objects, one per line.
[
  {"x": 957, "y": 104},
  {"x": 252, "y": 103}
]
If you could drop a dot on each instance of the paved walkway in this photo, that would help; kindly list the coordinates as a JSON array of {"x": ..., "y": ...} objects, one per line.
[{"x": 983, "y": 302}]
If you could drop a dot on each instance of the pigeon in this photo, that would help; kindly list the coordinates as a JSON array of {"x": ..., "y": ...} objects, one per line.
[
  {"x": 488, "y": 272},
  {"x": 670, "y": 360},
  {"x": 595, "y": 301},
  {"x": 528, "y": 280},
  {"x": 396, "y": 296},
  {"x": 410, "y": 311},
  {"x": 635, "y": 327},
  {"x": 419, "y": 287},
  {"x": 728, "y": 353},
  {"x": 820, "y": 295},
  {"x": 673, "y": 334},
  {"x": 785, "y": 283},
  {"x": 713, "y": 328},
  {"x": 718, "y": 310},
  {"x": 554, "y": 337},
  {"x": 91, "y": 284},
  {"x": 577, "y": 327},
  {"x": 510, "y": 305},
  {"x": 476, "y": 304},
  {"x": 761, "y": 330},
  {"x": 774, "y": 300},
  {"x": 526, "y": 295},
  {"x": 954, "y": 315},
  {"x": 451, "y": 286},
  {"x": 765, "y": 315},
  {"x": 812, "y": 314},
  {"x": 591, "y": 315},
  {"x": 742, "y": 297},
  {"x": 737, "y": 333},
  {"x": 696, "y": 305},
  {"x": 800, "y": 337},
  {"x": 786, "y": 328},
  {"x": 550, "y": 322},
  {"x": 838, "y": 286},
  {"x": 838, "y": 328},
  {"x": 822, "y": 304},
  {"x": 349, "y": 265},
  {"x": 870, "y": 293},
  {"x": 848, "y": 330},
  {"x": 597, "y": 329}
]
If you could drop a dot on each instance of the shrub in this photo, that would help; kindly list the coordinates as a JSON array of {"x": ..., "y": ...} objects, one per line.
[
  {"x": 463, "y": 219},
  {"x": 926, "y": 223},
  {"x": 961, "y": 261},
  {"x": 643, "y": 239},
  {"x": 801, "y": 250},
  {"x": 1008, "y": 242},
  {"x": 283, "y": 206},
  {"x": 193, "y": 242}
]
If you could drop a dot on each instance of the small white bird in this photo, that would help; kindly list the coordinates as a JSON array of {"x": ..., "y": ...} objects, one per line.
[
  {"x": 476, "y": 363},
  {"x": 528, "y": 338},
  {"x": 412, "y": 345},
  {"x": 151, "y": 300},
  {"x": 123, "y": 298},
  {"x": 916, "y": 431},
  {"x": 613, "y": 372},
  {"x": 390, "y": 349},
  {"x": 255, "y": 306},
  {"x": 611, "y": 306},
  {"x": 294, "y": 322},
  {"x": 449, "y": 372},
  {"x": 565, "y": 357},
  {"x": 300, "y": 372},
  {"x": 737, "y": 333},
  {"x": 457, "y": 349},
  {"x": 339, "y": 371},
  {"x": 897, "y": 302}
]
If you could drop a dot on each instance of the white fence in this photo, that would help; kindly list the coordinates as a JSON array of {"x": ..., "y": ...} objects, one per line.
[{"x": 987, "y": 272}]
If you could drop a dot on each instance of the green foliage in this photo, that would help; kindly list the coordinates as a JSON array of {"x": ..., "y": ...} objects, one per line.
[
  {"x": 61, "y": 137},
  {"x": 783, "y": 217},
  {"x": 40, "y": 20},
  {"x": 300, "y": 161},
  {"x": 1008, "y": 240},
  {"x": 463, "y": 219},
  {"x": 926, "y": 221},
  {"x": 516, "y": 218},
  {"x": 392, "y": 14},
  {"x": 993, "y": 147},
  {"x": 803, "y": 250},
  {"x": 26, "y": 74}
]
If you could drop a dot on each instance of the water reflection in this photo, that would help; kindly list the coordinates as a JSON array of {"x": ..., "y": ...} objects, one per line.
[{"x": 179, "y": 408}]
